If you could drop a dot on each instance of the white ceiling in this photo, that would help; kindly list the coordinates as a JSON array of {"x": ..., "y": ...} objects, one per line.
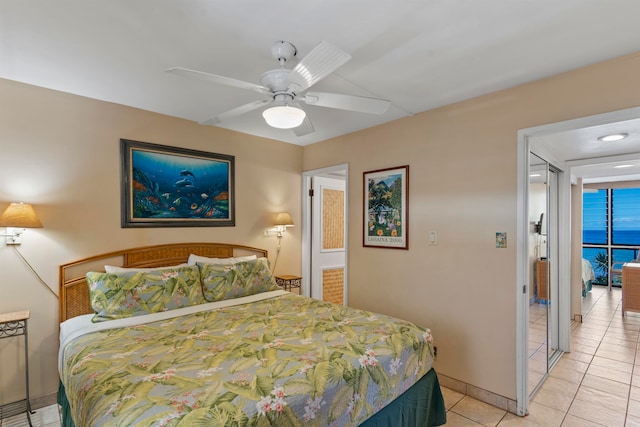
[
  {"x": 417, "y": 54},
  {"x": 588, "y": 157}
]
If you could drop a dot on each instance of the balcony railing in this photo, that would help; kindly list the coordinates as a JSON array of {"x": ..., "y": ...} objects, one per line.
[{"x": 607, "y": 261}]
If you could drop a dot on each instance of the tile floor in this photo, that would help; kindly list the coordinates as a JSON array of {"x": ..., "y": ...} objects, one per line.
[
  {"x": 43, "y": 417},
  {"x": 597, "y": 384}
]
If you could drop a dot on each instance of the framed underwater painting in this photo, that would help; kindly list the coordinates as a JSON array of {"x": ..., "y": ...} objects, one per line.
[
  {"x": 175, "y": 187},
  {"x": 386, "y": 208}
]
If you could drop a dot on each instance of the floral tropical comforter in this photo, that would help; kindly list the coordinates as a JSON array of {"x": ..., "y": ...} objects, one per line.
[{"x": 286, "y": 360}]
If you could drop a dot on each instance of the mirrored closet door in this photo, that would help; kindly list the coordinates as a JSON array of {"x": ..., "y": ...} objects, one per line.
[{"x": 543, "y": 271}]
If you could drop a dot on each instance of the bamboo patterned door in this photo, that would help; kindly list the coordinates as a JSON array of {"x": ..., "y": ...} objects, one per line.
[{"x": 328, "y": 246}]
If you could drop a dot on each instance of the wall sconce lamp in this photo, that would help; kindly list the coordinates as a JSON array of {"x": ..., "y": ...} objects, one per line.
[
  {"x": 282, "y": 222},
  {"x": 16, "y": 218}
]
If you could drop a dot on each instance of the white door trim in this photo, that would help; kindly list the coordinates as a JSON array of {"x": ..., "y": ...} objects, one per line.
[
  {"x": 523, "y": 280},
  {"x": 522, "y": 277}
]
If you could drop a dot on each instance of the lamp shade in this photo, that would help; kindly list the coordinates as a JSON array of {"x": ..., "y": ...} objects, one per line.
[
  {"x": 284, "y": 219},
  {"x": 284, "y": 117},
  {"x": 20, "y": 215}
]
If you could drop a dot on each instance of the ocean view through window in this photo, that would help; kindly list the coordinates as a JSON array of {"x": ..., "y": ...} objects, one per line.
[{"x": 610, "y": 230}]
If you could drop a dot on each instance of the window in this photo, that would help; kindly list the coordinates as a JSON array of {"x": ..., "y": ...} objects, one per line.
[
  {"x": 610, "y": 230},
  {"x": 600, "y": 262},
  {"x": 594, "y": 218},
  {"x": 625, "y": 224}
]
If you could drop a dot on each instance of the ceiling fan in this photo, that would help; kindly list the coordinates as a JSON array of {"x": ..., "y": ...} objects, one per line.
[{"x": 286, "y": 88}]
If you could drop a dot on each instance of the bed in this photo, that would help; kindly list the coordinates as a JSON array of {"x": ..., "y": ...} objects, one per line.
[
  {"x": 587, "y": 277},
  {"x": 238, "y": 352}
]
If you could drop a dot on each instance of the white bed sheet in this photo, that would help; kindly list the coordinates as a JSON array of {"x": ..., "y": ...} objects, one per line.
[{"x": 587, "y": 271}]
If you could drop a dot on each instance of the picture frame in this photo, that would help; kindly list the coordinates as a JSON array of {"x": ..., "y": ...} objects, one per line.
[
  {"x": 386, "y": 208},
  {"x": 165, "y": 186}
]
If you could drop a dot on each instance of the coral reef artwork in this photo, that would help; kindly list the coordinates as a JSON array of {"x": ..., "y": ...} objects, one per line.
[{"x": 169, "y": 186}]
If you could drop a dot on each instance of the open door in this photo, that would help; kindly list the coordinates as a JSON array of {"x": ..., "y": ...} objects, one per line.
[
  {"x": 325, "y": 237},
  {"x": 328, "y": 243}
]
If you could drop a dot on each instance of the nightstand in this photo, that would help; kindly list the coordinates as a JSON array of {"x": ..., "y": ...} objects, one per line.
[
  {"x": 15, "y": 325},
  {"x": 541, "y": 280},
  {"x": 289, "y": 282}
]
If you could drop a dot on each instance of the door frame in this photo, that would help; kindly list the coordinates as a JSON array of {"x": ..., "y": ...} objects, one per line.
[
  {"x": 564, "y": 222},
  {"x": 307, "y": 176},
  {"x": 523, "y": 279}
]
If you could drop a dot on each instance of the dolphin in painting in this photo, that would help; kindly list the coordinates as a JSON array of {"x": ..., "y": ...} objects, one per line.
[
  {"x": 187, "y": 172},
  {"x": 184, "y": 182}
]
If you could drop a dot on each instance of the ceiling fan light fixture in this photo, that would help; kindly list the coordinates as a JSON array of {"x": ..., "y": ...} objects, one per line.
[
  {"x": 284, "y": 116},
  {"x": 613, "y": 137}
]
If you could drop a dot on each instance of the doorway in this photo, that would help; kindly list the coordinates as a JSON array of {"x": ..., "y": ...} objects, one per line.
[
  {"x": 324, "y": 234},
  {"x": 551, "y": 142}
]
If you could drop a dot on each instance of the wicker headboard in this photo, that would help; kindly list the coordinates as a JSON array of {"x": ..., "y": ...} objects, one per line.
[{"x": 74, "y": 292}]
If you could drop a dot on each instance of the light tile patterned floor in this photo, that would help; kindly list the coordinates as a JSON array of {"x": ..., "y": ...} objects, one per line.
[
  {"x": 43, "y": 417},
  {"x": 597, "y": 384}
]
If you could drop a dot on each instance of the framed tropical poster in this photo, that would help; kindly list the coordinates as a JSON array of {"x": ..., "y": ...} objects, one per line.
[
  {"x": 175, "y": 187},
  {"x": 386, "y": 208}
]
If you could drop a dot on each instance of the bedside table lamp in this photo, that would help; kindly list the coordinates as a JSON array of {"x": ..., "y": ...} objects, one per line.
[{"x": 16, "y": 218}]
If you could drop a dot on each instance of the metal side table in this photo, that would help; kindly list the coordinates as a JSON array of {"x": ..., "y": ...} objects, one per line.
[
  {"x": 15, "y": 325},
  {"x": 289, "y": 282}
]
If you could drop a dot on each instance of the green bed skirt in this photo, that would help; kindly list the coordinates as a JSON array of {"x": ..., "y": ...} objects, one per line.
[
  {"x": 422, "y": 405},
  {"x": 65, "y": 410}
]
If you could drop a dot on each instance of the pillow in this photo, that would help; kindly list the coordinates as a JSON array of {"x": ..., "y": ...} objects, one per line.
[
  {"x": 135, "y": 293},
  {"x": 193, "y": 259},
  {"x": 115, "y": 269},
  {"x": 229, "y": 281}
]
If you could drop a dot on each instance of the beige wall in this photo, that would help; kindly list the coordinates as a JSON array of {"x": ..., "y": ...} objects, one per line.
[
  {"x": 463, "y": 185},
  {"x": 61, "y": 153}
]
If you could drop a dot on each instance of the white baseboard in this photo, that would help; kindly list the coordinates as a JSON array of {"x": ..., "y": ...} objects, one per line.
[{"x": 482, "y": 395}]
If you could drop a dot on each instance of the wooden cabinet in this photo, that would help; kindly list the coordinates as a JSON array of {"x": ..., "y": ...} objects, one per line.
[
  {"x": 541, "y": 279},
  {"x": 630, "y": 287}
]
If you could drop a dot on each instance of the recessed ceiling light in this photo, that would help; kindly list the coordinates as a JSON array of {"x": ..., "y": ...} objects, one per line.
[
  {"x": 613, "y": 137},
  {"x": 623, "y": 166}
]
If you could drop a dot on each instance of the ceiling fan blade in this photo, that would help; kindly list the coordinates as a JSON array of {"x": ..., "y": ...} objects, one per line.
[
  {"x": 346, "y": 102},
  {"x": 305, "y": 128},
  {"x": 323, "y": 60},
  {"x": 213, "y": 78},
  {"x": 235, "y": 112}
]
